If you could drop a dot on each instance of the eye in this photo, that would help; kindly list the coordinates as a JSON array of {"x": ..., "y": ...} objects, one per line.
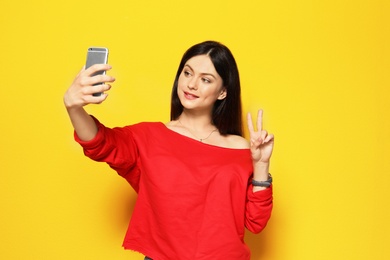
[
  {"x": 206, "y": 80},
  {"x": 186, "y": 73}
]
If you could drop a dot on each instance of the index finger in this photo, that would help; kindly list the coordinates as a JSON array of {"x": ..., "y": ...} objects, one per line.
[
  {"x": 97, "y": 67},
  {"x": 250, "y": 124},
  {"x": 260, "y": 120}
]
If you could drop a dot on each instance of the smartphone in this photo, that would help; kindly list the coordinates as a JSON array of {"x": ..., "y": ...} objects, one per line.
[{"x": 97, "y": 55}]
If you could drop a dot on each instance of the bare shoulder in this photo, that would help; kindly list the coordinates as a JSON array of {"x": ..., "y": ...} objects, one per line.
[{"x": 237, "y": 142}]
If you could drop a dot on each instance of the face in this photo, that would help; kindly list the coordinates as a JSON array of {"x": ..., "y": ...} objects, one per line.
[{"x": 199, "y": 84}]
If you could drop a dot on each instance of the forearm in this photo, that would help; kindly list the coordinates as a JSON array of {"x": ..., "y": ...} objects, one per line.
[
  {"x": 80, "y": 94},
  {"x": 83, "y": 123},
  {"x": 258, "y": 209},
  {"x": 260, "y": 173}
]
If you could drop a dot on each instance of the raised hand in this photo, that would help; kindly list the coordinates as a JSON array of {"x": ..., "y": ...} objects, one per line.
[
  {"x": 261, "y": 141},
  {"x": 80, "y": 93}
]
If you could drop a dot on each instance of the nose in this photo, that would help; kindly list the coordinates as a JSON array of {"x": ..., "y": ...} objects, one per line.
[{"x": 191, "y": 84}]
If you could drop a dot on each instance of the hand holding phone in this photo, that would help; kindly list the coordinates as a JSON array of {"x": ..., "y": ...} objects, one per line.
[{"x": 97, "y": 55}]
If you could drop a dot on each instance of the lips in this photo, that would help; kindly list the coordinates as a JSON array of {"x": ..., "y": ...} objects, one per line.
[{"x": 190, "y": 96}]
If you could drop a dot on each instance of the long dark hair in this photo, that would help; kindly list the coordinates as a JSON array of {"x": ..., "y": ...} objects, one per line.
[{"x": 226, "y": 114}]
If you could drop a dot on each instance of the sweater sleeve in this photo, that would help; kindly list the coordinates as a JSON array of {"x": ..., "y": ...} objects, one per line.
[
  {"x": 258, "y": 209},
  {"x": 116, "y": 147}
]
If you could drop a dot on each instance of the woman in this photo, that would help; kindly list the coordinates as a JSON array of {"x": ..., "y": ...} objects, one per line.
[{"x": 199, "y": 182}]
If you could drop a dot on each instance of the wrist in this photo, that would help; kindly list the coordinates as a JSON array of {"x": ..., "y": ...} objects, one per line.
[
  {"x": 261, "y": 171},
  {"x": 69, "y": 105},
  {"x": 261, "y": 164},
  {"x": 265, "y": 183},
  {"x": 261, "y": 185}
]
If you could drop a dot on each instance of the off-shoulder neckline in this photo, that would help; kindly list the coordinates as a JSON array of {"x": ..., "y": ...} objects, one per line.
[{"x": 196, "y": 141}]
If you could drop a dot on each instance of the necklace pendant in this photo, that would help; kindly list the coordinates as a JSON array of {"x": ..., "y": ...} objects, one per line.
[{"x": 200, "y": 139}]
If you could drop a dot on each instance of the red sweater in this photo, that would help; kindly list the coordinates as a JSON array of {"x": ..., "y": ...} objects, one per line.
[{"x": 194, "y": 199}]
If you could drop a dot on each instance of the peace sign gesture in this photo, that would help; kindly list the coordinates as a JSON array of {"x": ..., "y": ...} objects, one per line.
[{"x": 261, "y": 142}]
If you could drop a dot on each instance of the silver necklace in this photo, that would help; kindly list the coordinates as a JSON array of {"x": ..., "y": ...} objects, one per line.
[{"x": 200, "y": 139}]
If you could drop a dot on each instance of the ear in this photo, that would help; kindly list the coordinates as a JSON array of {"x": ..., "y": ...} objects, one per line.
[{"x": 223, "y": 94}]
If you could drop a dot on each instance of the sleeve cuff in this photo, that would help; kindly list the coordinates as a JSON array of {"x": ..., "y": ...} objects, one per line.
[
  {"x": 99, "y": 137},
  {"x": 259, "y": 196}
]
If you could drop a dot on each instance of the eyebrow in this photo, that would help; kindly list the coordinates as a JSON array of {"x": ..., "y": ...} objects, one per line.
[{"x": 202, "y": 73}]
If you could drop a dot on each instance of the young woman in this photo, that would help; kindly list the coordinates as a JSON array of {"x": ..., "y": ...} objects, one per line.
[{"x": 199, "y": 182}]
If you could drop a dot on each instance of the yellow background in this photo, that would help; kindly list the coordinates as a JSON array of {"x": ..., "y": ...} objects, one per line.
[{"x": 319, "y": 69}]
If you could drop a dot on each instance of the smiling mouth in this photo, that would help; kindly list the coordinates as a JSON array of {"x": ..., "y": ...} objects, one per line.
[{"x": 190, "y": 96}]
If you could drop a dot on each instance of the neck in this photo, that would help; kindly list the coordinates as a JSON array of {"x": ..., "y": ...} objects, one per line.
[
  {"x": 197, "y": 123},
  {"x": 200, "y": 128}
]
